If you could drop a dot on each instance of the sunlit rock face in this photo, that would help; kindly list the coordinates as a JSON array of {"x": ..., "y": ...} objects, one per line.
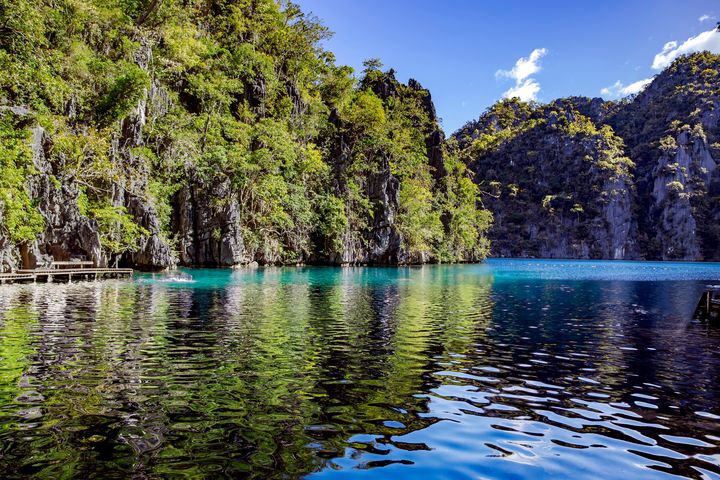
[
  {"x": 671, "y": 131},
  {"x": 67, "y": 232},
  {"x": 382, "y": 243},
  {"x": 585, "y": 178},
  {"x": 154, "y": 251},
  {"x": 559, "y": 185},
  {"x": 209, "y": 232}
]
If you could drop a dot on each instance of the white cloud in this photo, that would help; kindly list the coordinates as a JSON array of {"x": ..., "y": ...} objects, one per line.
[
  {"x": 524, "y": 67},
  {"x": 709, "y": 40},
  {"x": 525, "y": 91},
  {"x": 706, "y": 17},
  {"x": 525, "y": 88},
  {"x": 617, "y": 89},
  {"x": 636, "y": 87}
]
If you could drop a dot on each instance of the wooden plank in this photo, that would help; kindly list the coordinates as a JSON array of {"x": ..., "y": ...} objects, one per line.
[
  {"x": 708, "y": 299},
  {"x": 69, "y": 271},
  {"x": 80, "y": 264},
  {"x": 49, "y": 273}
]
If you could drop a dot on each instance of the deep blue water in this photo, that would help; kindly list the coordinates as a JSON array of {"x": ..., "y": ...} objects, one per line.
[{"x": 508, "y": 369}]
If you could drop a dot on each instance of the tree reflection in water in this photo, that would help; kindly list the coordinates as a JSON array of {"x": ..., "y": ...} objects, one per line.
[{"x": 278, "y": 373}]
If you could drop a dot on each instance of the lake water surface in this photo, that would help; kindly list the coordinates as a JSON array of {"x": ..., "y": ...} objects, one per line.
[{"x": 509, "y": 369}]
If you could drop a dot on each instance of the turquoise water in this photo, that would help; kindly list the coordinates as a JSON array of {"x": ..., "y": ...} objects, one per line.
[{"x": 509, "y": 369}]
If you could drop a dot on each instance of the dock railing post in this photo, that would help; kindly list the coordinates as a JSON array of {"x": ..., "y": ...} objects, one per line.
[{"x": 708, "y": 301}]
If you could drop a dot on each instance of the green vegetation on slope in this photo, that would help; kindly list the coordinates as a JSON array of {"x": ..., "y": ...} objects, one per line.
[
  {"x": 551, "y": 176},
  {"x": 673, "y": 134},
  {"x": 141, "y": 98},
  {"x": 17, "y": 212},
  {"x": 585, "y": 178}
]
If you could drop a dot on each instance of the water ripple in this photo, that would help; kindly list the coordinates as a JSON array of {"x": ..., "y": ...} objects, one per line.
[{"x": 513, "y": 369}]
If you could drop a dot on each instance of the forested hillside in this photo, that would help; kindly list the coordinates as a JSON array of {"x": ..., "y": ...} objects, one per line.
[
  {"x": 217, "y": 133},
  {"x": 560, "y": 185},
  {"x": 152, "y": 133},
  {"x": 585, "y": 178}
]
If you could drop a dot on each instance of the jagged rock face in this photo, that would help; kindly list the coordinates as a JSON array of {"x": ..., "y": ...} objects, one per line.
[
  {"x": 385, "y": 243},
  {"x": 434, "y": 136},
  {"x": 70, "y": 235},
  {"x": 671, "y": 130},
  {"x": 595, "y": 109},
  {"x": 67, "y": 234},
  {"x": 664, "y": 205},
  {"x": 9, "y": 260},
  {"x": 382, "y": 243},
  {"x": 555, "y": 184},
  {"x": 153, "y": 253},
  {"x": 671, "y": 192},
  {"x": 617, "y": 236},
  {"x": 207, "y": 221}
]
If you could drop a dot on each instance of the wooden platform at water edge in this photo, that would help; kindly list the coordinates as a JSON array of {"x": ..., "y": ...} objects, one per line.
[
  {"x": 64, "y": 271},
  {"x": 708, "y": 307}
]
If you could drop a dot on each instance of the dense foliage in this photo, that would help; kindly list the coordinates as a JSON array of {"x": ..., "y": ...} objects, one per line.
[
  {"x": 142, "y": 98},
  {"x": 17, "y": 213}
]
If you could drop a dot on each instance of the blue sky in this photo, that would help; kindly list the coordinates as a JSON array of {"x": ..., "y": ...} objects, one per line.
[{"x": 464, "y": 51}]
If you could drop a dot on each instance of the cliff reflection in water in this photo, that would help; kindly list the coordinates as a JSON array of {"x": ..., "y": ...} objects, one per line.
[{"x": 416, "y": 372}]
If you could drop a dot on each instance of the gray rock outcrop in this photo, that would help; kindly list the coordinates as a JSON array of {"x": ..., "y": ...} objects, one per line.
[
  {"x": 206, "y": 218},
  {"x": 67, "y": 234}
]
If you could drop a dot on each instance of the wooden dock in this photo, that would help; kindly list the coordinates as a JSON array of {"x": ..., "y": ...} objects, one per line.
[
  {"x": 50, "y": 274},
  {"x": 708, "y": 308}
]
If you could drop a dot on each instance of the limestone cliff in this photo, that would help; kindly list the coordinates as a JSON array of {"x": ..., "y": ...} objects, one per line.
[
  {"x": 559, "y": 187},
  {"x": 68, "y": 234},
  {"x": 152, "y": 134},
  {"x": 585, "y": 178},
  {"x": 671, "y": 130},
  {"x": 378, "y": 239}
]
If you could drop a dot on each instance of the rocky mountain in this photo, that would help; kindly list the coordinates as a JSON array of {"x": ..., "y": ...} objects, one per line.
[
  {"x": 559, "y": 186},
  {"x": 215, "y": 133},
  {"x": 220, "y": 133},
  {"x": 672, "y": 130},
  {"x": 585, "y": 178}
]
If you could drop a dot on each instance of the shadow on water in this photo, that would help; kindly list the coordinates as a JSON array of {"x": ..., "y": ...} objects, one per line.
[{"x": 510, "y": 369}]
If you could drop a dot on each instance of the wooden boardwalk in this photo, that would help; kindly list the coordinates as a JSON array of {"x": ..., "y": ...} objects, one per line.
[
  {"x": 81, "y": 264},
  {"x": 49, "y": 274}
]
